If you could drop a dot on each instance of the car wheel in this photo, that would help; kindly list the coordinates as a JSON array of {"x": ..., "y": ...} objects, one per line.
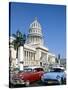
[
  {"x": 27, "y": 83},
  {"x": 61, "y": 81}
]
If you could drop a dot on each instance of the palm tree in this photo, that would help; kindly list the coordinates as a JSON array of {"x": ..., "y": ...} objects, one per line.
[{"x": 19, "y": 40}]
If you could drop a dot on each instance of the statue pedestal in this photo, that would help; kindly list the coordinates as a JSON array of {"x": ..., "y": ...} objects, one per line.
[{"x": 21, "y": 57}]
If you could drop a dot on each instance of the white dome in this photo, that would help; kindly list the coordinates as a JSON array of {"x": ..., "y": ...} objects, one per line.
[
  {"x": 35, "y": 28},
  {"x": 35, "y": 33},
  {"x": 35, "y": 24}
]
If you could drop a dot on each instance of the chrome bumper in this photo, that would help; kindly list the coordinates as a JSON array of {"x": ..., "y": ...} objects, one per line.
[
  {"x": 50, "y": 81},
  {"x": 18, "y": 81}
]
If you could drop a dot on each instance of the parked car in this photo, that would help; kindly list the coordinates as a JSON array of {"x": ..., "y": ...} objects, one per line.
[
  {"x": 28, "y": 76},
  {"x": 55, "y": 76}
]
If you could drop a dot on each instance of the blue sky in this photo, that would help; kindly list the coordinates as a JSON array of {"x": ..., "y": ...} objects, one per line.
[{"x": 52, "y": 19}]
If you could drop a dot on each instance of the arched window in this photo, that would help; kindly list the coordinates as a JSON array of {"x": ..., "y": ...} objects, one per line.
[{"x": 34, "y": 24}]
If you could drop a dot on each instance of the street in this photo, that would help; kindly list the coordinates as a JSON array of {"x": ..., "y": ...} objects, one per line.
[{"x": 34, "y": 84}]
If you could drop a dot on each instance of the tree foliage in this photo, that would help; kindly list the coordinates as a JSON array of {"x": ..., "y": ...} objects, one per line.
[{"x": 19, "y": 39}]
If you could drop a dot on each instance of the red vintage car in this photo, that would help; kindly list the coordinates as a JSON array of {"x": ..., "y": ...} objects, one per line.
[{"x": 28, "y": 76}]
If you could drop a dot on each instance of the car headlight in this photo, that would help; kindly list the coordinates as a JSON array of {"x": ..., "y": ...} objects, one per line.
[
  {"x": 20, "y": 75},
  {"x": 58, "y": 77}
]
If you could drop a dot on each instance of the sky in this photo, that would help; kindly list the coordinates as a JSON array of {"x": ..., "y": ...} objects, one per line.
[{"x": 52, "y": 19}]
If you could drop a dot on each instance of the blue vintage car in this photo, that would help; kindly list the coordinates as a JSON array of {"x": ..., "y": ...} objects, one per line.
[{"x": 55, "y": 76}]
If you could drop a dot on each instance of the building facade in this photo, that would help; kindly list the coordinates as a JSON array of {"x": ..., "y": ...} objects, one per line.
[
  {"x": 35, "y": 53},
  {"x": 63, "y": 62}
]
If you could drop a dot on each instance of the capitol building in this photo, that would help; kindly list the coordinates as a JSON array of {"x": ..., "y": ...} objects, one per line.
[{"x": 35, "y": 52}]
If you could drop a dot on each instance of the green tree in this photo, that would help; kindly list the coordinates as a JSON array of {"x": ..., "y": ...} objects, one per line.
[{"x": 19, "y": 40}]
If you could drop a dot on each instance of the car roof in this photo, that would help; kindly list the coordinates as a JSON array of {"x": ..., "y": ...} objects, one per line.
[
  {"x": 58, "y": 68},
  {"x": 33, "y": 67}
]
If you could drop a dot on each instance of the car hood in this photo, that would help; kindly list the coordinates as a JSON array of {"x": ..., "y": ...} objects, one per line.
[
  {"x": 52, "y": 75},
  {"x": 24, "y": 73}
]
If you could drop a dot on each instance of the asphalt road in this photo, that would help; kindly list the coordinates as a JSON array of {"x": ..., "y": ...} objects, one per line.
[{"x": 35, "y": 84}]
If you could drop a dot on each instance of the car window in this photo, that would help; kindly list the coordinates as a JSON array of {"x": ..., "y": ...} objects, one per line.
[
  {"x": 56, "y": 70},
  {"x": 38, "y": 69},
  {"x": 28, "y": 70}
]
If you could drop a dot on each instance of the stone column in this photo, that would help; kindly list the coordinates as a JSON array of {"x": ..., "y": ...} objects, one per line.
[
  {"x": 34, "y": 56},
  {"x": 12, "y": 57},
  {"x": 47, "y": 63},
  {"x": 28, "y": 55},
  {"x": 21, "y": 57},
  {"x": 45, "y": 60}
]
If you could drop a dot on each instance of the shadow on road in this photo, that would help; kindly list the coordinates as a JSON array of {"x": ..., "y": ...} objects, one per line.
[{"x": 35, "y": 84}]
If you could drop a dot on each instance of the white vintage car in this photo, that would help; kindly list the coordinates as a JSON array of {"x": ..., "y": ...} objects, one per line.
[{"x": 55, "y": 76}]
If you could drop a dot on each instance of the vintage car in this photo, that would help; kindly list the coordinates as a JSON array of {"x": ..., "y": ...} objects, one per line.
[
  {"x": 55, "y": 76},
  {"x": 28, "y": 76}
]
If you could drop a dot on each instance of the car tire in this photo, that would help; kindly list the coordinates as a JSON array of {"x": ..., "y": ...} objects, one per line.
[
  {"x": 61, "y": 81},
  {"x": 27, "y": 83}
]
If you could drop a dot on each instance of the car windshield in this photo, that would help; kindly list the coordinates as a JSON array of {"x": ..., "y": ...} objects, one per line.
[
  {"x": 27, "y": 70},
  {"x": 38, "y": 69},
  {"x": 56, "y": 70}
]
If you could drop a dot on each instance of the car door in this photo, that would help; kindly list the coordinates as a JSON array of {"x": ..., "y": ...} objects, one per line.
[
  {"x": 31, "y": 76},
  {"x": 37, "y": 73}
]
